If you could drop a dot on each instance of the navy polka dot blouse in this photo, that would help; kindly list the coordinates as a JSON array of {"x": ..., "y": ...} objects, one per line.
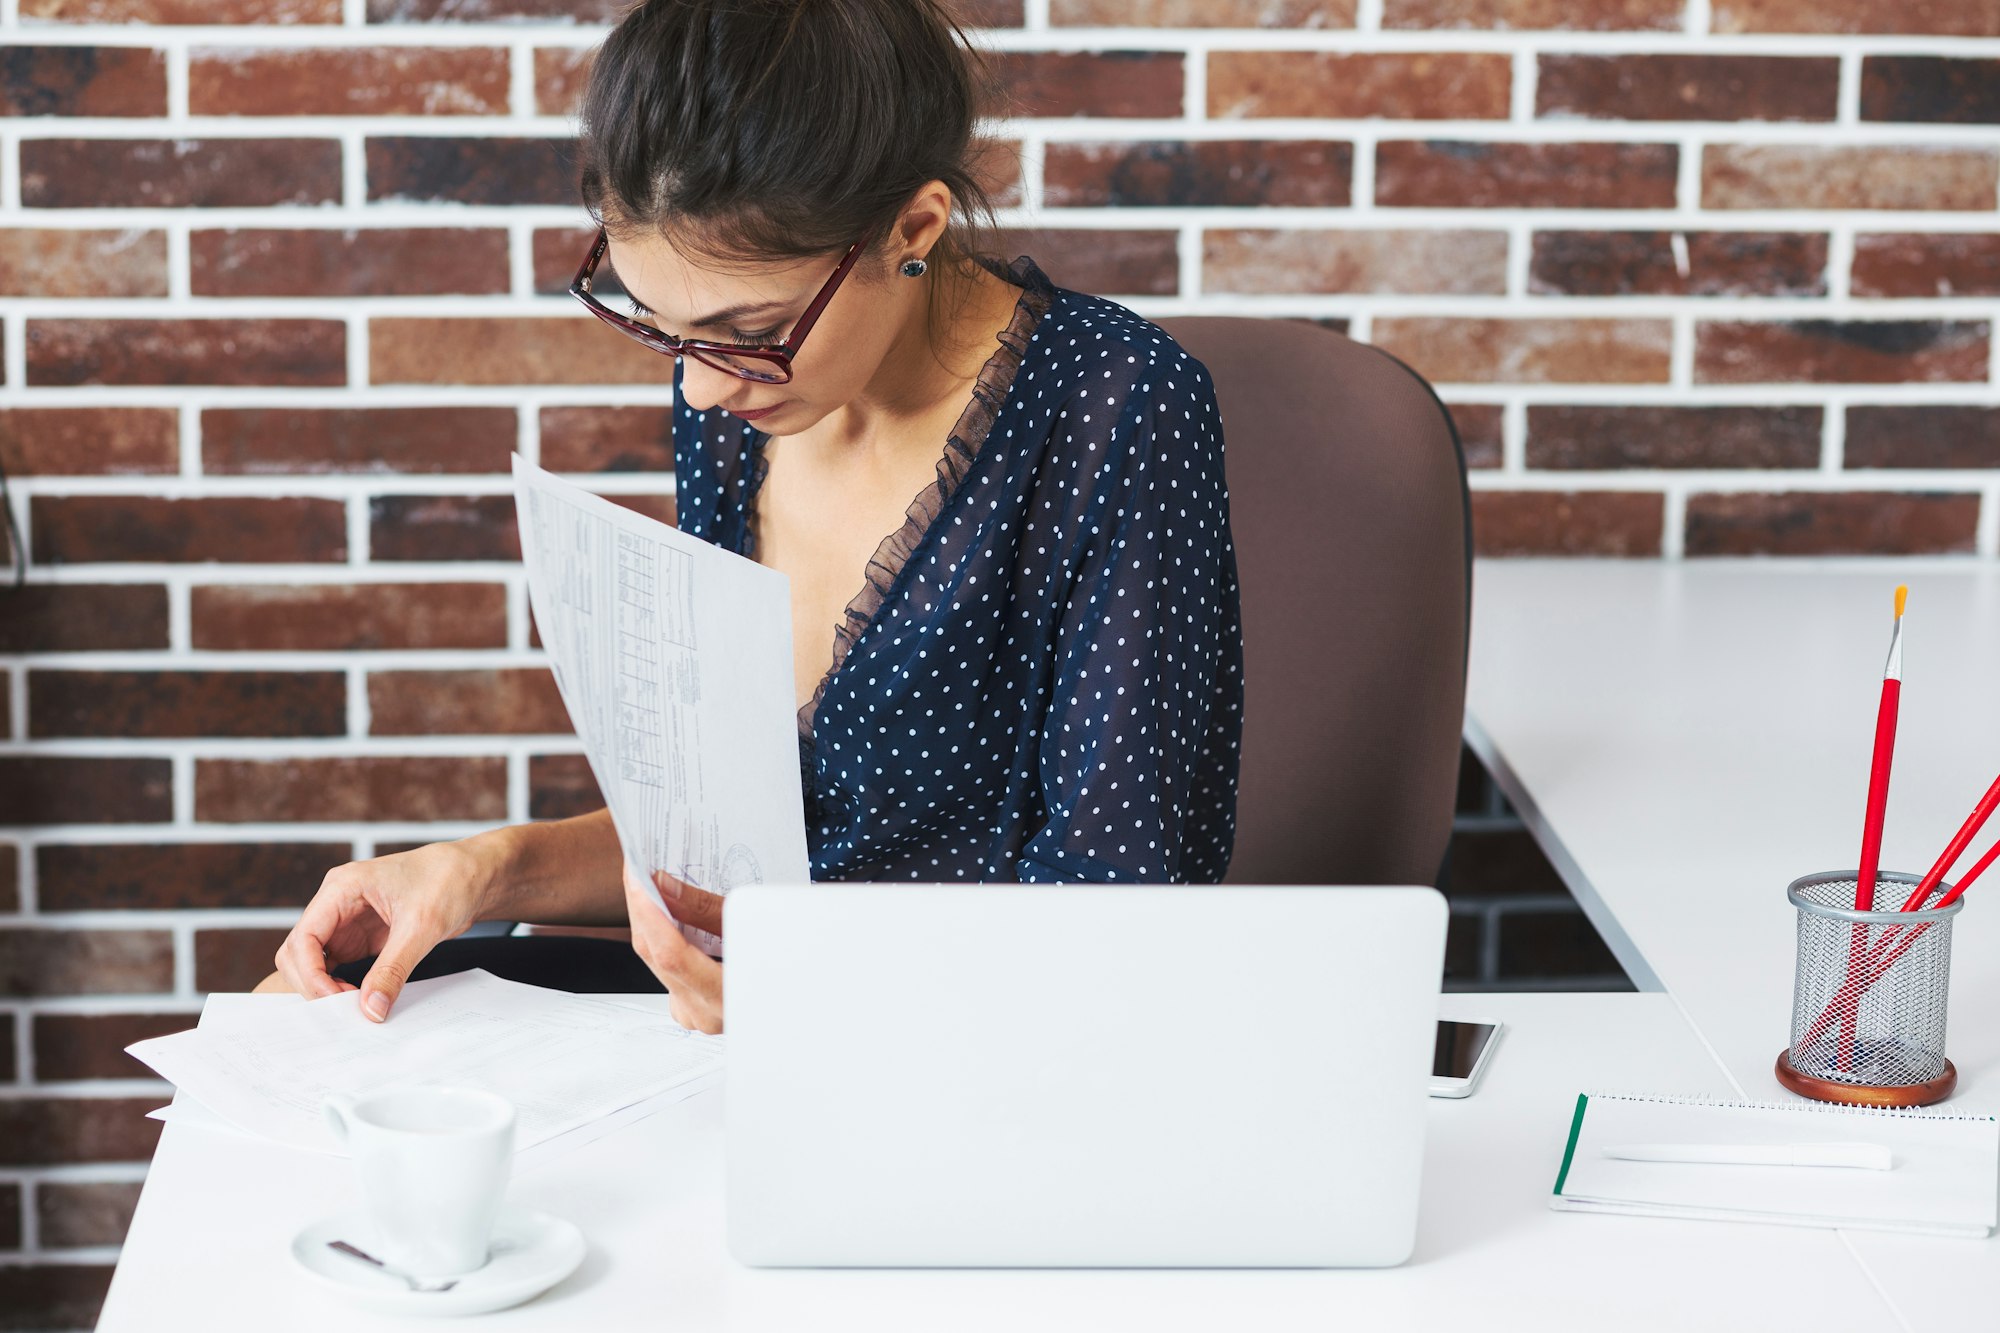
[{"x": 1041, "y": 679}]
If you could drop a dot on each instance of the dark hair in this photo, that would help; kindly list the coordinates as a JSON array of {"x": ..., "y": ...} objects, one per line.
[{"x": 782, "y": 128}]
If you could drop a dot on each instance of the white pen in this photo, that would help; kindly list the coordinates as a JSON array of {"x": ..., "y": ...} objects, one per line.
[{"x": 1865, "y": 1156}]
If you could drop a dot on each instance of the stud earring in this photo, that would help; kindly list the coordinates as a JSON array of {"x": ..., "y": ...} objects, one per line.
[{"x": 914, "y": 268}]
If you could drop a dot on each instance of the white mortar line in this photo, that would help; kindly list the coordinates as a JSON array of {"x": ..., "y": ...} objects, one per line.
[
  {"x": 1847, "y": 100},
  {"x": 1521, "y": 98},
  {"x": 1832, "y": 439}
]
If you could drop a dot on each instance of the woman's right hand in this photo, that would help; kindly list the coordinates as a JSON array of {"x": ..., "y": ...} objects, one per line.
[{"x": 395, "y": 907}]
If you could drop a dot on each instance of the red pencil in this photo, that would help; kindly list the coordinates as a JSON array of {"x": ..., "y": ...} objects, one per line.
[
  {"x": 1871, "y": 825},
  {"x": 1878, "y": 773}
]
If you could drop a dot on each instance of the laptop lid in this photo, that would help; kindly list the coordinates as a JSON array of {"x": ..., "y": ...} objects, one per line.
[{"x": 1078, "y": 1075}]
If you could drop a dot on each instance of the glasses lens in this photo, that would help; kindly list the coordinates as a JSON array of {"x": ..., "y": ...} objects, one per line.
[{"x": 761, "y": 369}]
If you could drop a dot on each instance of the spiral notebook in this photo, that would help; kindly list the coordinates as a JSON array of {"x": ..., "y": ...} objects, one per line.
[{"x": 1945, "y": 1181}]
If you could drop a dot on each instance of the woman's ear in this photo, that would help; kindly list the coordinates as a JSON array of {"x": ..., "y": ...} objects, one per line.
[{"x": 921, "y": 222}]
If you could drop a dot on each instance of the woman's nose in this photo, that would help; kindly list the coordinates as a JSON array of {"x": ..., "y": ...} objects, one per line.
[{"x": 703, "y": 386}]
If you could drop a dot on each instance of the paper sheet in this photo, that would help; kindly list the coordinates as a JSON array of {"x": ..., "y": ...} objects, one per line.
[
  {"x": 675, "y": 660},
  {"x": 564, "y": 1060}
]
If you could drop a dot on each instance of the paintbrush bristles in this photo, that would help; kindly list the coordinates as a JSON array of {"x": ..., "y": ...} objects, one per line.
[{"x": 1902, "y": 597}]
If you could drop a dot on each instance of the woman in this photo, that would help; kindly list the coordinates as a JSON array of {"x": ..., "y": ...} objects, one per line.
[{"x": 1039, "y": 677}]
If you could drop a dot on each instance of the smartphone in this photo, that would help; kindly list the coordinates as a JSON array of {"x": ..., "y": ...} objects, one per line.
[{"x": 1463, "y": 1052}]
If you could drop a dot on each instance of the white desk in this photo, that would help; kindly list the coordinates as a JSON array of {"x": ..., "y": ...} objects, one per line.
[
  {"x": 1685, "y": 740},
  {"x": 207, "y": 1247}
]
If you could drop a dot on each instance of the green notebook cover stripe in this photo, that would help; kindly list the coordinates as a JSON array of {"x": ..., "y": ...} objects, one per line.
[{"x": 1575, "y": 1129}]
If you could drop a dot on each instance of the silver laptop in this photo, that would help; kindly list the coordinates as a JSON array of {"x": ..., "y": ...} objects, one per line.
[{"x": 1069, "y": 1076}]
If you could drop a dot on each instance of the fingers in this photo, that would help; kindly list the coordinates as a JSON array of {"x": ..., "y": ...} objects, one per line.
[
  {"x": 301, "y": 960},
  {"x": 691, "y": 906},
  {"x": 399, "y": 957}
]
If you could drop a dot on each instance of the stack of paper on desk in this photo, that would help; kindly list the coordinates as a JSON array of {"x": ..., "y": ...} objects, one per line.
[
  {"x": 1945, "y": 1180},
  {"x": 565, "y": 1061}
]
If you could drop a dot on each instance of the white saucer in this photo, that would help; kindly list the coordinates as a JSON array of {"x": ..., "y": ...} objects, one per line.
[{"x": 531, "y": 1253}]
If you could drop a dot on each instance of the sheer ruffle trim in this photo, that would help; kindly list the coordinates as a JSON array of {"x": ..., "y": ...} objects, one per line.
[{"x": 962, "y": 445}]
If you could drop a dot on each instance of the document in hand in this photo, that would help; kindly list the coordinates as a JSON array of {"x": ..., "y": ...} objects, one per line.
[
  {"x": 674, "y": 657},
  {"x": 563, "y": 1060},
  {"x": 1943, "y": 1183}
]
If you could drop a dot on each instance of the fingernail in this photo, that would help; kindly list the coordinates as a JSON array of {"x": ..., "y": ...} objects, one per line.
[
  {"x": 670, "y": 888},
  {"x": 377, "y": 1005}
]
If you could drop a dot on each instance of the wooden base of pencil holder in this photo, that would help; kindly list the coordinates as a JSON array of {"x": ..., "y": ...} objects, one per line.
[{"x": 1855, "y": 1094}]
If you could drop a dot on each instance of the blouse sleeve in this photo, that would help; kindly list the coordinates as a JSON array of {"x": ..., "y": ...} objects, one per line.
[{"x": 1147, "y": 682}]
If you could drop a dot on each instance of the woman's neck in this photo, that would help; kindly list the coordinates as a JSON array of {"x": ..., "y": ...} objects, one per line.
[{"x": 931, "y": 364}]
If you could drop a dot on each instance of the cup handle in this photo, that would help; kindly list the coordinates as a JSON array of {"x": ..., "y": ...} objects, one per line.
[{"x": 335, "y": 1110}]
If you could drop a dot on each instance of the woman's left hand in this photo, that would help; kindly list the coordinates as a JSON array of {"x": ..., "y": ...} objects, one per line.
[{"x": 693, "y": 979}]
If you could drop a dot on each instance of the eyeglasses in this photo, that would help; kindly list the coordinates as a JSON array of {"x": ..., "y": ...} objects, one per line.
[{"x": 762, "y": 363}]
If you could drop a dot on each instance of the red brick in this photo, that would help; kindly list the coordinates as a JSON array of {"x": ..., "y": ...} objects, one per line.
[
  {"x": 1923, "y": 436},
  {"x": 1089, "y": 83},
  {"x": 89, "y": 441},
  {"x": 1528, "y": 351},
  {"x": 561, "y": 74},
  {"x": 1937, "y": 90},
  {"x": 260, "y": 441},
  {"x": 1687, "y": 87},
  {"x": 182, "y": 11},
  {"x": 1104, "y": 262},
  {"x": 1584, "y": 523},
  {"x": 54, "y": 1295},
  {"x": 1944, "y": 18},
  {"x": 1927, "y": 264},
  {"x": 10, "y": 901},
  {"x": 1462, "y": 174},
  {"x": 258, "y": 352},
  {"x": 52, "y": 789},
  {"x": 1546, "y": 942},
  {"x": 508, "y": 350},
  {"x": 442, "y": 527},
  {"x": 79, "y": 1046},
  {"x": 1229, "y": 173},
  {"x": 84, "y": 618},
  {"x": 1501, "y": 863},
  {"x": 1570, "y": 15},
  {"x": 72, "y": 1214},
  {"x": 124, "y": 704},
  {"x": 348, "y": 81},
  {"x": 1611, "y": 438},
  {"x": 403, "y": 789},
  {"x": 80, "y": 529},
  {"x": 988, "y": 13},
  {"x": 60, "y": 262},
  {"x": 72, "y": 961},
  {"x": 1898, "y": 176},
  {"x": 1479, "y": 432},
  {"x": 560, "y": 786},
  {"x": 1391, "y": 85},
  {"x": 1401, "y": 260},
  {"x": 82, "y": 81},
  {"x": 377, "y": 261},
  {"x": 1719, "y": 263},
  {"x": 35, "y": 1131},
  {"x": 502, "y": 701},
  {"x": 1832, "y": 523},
  {"x": 1202, "y": 13},
  {"x": 608, "y": 439},
  {"x": 235, "y": 960},
  {"x": 361, "y": 617},
  {"x": 120, "y": 877},
  {"x": 178, "y": 173},
  {"x": 10, "y": 1194},
  {"x": 441, "y": 169},
  {"x": 488, "y": 11},
  {"x": 1826, "y": 351}
]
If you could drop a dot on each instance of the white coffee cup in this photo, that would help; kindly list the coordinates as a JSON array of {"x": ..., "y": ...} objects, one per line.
[{"x": 432, "y": 1163}]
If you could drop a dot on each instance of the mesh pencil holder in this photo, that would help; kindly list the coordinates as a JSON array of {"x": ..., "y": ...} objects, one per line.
[{"x": 1869, "y": 996}]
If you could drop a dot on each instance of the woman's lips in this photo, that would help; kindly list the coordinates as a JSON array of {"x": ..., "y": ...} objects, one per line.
[{"x": 749, "y": 414}]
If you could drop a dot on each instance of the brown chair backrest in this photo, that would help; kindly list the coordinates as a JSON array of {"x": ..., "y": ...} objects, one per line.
[{"x": 1348, "y": 499}]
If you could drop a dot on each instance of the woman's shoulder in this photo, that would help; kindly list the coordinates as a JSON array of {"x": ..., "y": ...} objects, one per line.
[{"x": 1090, "y": 344}]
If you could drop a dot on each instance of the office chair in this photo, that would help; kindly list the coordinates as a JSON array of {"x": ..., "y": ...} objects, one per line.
[{"x": 1352, "y": 521}]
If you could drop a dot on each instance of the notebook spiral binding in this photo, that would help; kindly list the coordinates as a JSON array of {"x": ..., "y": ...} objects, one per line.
[{"x": 1818, "y": 1108}]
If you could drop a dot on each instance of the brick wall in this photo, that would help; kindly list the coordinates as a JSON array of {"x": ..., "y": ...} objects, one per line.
[{"x": 1699, "y": 277}]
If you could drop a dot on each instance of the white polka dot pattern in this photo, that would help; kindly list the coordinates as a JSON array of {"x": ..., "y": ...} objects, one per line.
[{"x": 1052, "y": 689}]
